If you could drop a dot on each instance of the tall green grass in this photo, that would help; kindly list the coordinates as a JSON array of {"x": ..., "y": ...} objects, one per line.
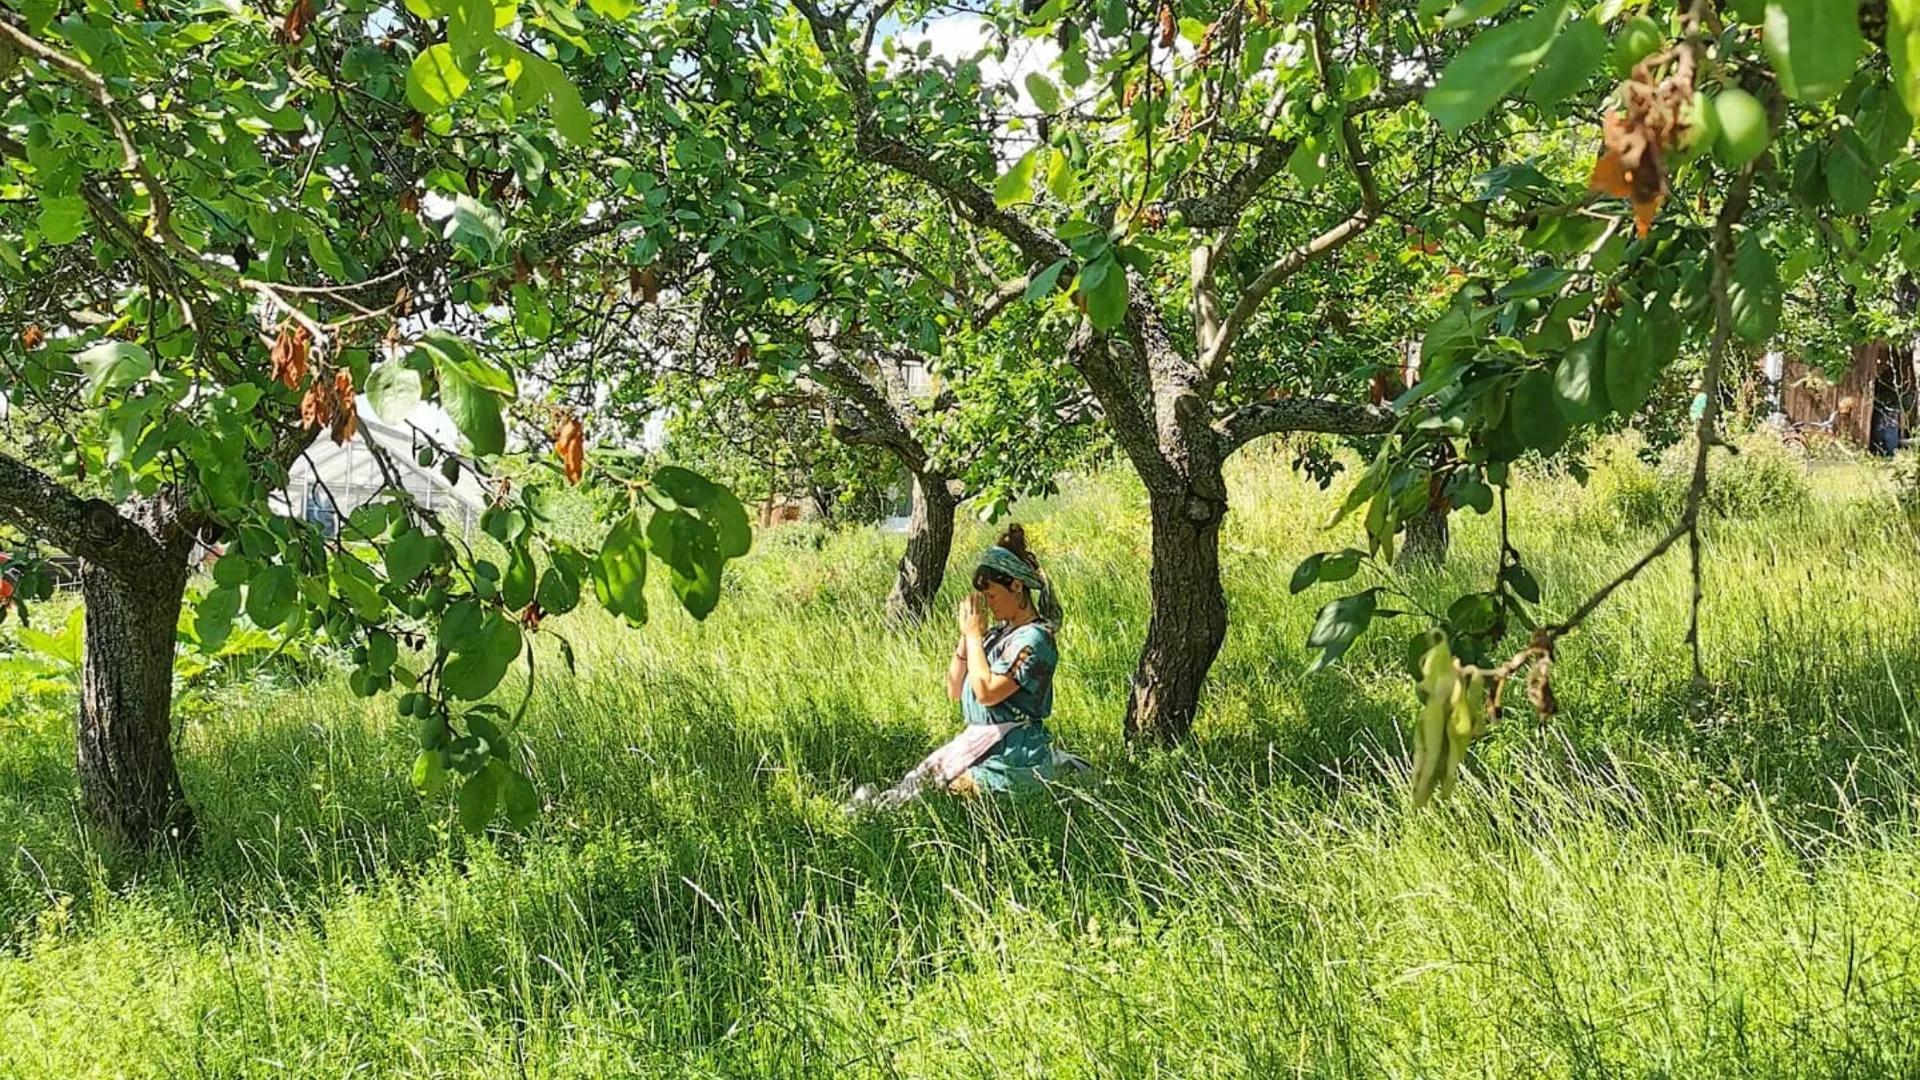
[{"x": 1659, "y": 882}]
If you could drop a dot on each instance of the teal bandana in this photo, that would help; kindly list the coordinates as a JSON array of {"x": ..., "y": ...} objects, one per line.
[{"x": 1002, "y": 561}]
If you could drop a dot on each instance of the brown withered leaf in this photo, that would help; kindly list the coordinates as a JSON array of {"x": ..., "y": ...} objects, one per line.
[
  {"x": 1629, "y": 168},
  {"x": 346, "y": 414},
  {"x": 570, "y": 444},
  {"x": 316, "y": 406},
  {"x": 648, "y": 283},
  {"x": 1166, "y": 26},
  {"x": 293, "y": 29},
  {"x": 531, "y": 615},
  {"x": 292, "y": 349},
  {"x": 32, "y": 337}
]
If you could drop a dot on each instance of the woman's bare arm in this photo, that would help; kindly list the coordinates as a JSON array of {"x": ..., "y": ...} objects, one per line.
[
  {"x": 957, "y": 671},
  {"x": 990, "y": 688}
]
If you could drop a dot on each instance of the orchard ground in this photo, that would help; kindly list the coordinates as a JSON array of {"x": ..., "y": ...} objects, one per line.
[{"x": 1653, "y": 883}]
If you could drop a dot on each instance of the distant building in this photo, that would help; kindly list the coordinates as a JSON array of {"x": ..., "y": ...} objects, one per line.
[
  {"x": 1874, "y": 404},
  {"x": 329, "y": 482}
]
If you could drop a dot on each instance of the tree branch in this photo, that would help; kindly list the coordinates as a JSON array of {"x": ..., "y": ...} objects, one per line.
[
  {"x": 1251, "y": 421},
  {"x": 1215, "y": 351},
  {"x": 88, "y": 528},
  {"x": 1223, "y": 206},
  {"x": 1037, "y": 245},
  {"x": 96, "y": 88}
]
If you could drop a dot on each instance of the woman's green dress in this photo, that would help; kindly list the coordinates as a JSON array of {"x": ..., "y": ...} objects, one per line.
[{"x": 1024, "y": 757}]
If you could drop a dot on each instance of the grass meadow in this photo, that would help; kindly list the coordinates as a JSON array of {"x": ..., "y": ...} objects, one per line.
[{"x": 1658, "y": 882}]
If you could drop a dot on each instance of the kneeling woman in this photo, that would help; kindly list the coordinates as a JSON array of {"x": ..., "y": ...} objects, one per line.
[{"x": 1002, "y": 676}]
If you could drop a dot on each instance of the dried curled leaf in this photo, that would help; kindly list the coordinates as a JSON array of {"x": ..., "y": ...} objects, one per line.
[
  {"x": 1629, "y": 168},
  {"x": 316, "y": 406},
  {"x": 346, "y": 414},
  {"x": 570, "y": 443},
  {"x": 299, "y": 18},
  {"x": 290, "y": 355},
  {"x": 1166, "y": 26},
  {"x": 1540, "y": 688},
  {"x": 32, "y": 337}
]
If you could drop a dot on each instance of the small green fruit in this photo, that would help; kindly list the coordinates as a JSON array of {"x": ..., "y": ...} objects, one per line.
[
  {"x": 1703, "y": 128},
  {"x": 1637, "y": 41},
  {"x": 1743, "y": 128}
]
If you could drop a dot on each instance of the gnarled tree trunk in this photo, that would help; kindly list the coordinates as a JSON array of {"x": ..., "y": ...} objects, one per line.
[
  {"x": 1188, "y": 618},
  {"x": 1424, "y": 540},
  {"x": 929, "y": 542},
  {"x": 125, "y": 758}
]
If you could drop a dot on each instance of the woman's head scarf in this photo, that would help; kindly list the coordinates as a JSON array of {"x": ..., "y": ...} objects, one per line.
[{"x": 1004, "y": 562}]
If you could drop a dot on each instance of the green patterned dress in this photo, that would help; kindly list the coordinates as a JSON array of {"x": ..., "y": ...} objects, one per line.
[{"x": 1024, "y": 757}]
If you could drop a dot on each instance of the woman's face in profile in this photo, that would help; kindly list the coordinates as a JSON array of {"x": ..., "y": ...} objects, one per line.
[{"x": 1002, "y": 601}]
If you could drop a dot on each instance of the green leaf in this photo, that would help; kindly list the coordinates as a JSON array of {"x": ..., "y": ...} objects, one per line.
[
  {"x": 1543, "y": 281},
  {"x": 718, "y": 507},
  {"x": 1307, "y": 574},
  {"x": 320, "y": 248},
  {"x": 474, "y": 672},
  {"x": 1472, "y": 11},
  {"x": 1814, "y": 45},
  {"x": 429, "y": 776},
  {"x": 548, "y": 82},
  {"x": 478, "y": 797},
  {"x": 1903, "y": 49},
  {"x": 613, "y": 10},
  {"x": 1534, "y": 411},
  {"x": 518, "y": 798},
  {"x": 1572, "y": 60},
  {"x": 1850, "y": 176},
  {"x": 1753, "y": 294},
  {"x": 1490, "y": 66},
  {"x": 394, "y": 390},
  {"x": 1063, "y": 180},
  {"x": 1016, "y": 184},
  {"x": 1629, "y": 359},
  {"x": 1473, "y": 613},
  {"x": 1522, "y": 582},
  {"x": 1580, "y": 379},
  {"x": 213, "y": 617},
  {"x": 1044, "y": 282},
  {"x": 461, "y": 626},
  {"x": 1107, "y": 296},
  {"x": 270, "y": 597},
  {"x": 232, "y": 568},
  {"x": 1308, "y": 162},
  {"x": 1340, "y": 623},
  {"x": 475, "y": 410},
  {"x": 354, "y": 580},
  {"x": 1341, "y": 565},
  {"x": 559, "y": 590},
  {"x": 692, "y": 553},
  {"x": 410, "y": 553},
  {"x": 470, "y": 28},
  {"x": 516, "y": 589},
  {"x": 62, "y": 219},
  {"x": 475, "y": 225},
  {"x": 113, "y": 365},
  {"x": 620, "y": 570},
  {"x": 1883, "y": 124},
  {"x": 435, "y": 80},
  {"x": 1045, "y": 97}
]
